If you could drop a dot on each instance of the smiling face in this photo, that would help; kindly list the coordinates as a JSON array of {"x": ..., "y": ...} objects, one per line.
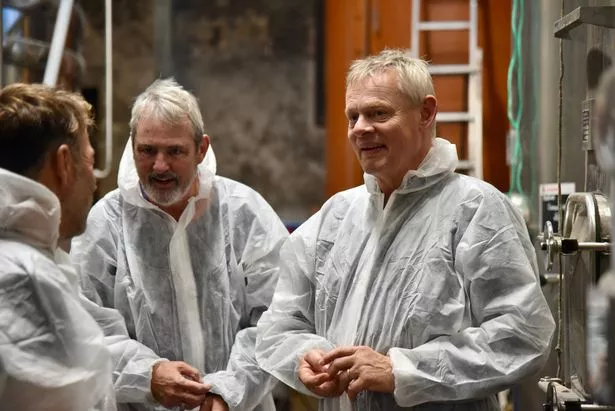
[
  {"x": 388, "y": 134},
  {"x": 166, "y": 158}
]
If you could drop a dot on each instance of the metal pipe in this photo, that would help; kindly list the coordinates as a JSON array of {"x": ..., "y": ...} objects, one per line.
[
  {"x": 108, "y": 93},
  {"x": 596, "y": 407},
  {"x": 547, "y": 98},
  {"x": 56, "y": 51},
  {"x": 551, "y": 278},
  {"x": 595, "y": 246}
]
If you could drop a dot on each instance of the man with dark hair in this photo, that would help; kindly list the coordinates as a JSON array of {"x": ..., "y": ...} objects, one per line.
[{"x": 52, "y": 352}]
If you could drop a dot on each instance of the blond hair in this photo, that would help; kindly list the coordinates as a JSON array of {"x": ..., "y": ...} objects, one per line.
[
  {"x": 36, "y": 119},
  {"x": 413, "y": 76}
]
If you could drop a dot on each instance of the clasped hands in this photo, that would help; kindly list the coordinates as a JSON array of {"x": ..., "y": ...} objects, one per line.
[
  {"x": 346, "y": 369},
  {"x": 175, "y": 383}
]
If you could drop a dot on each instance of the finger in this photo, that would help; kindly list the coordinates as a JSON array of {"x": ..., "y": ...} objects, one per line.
[
  {"x": 193, "y": 387},
  {"x": 340, "y": 364},
  {"x": 314, "y": 358},
  {"x": 325, "y": 389},
  {"x": 190, "y": 400},
  {"x": 219, "y": 406},
  {"x": 207, "y": 404},
  {"x": 338, "y": 353},
  {"x": 355, "y": 387},
  {"x": 344, "y": 379},
  {"x": 188, "y": 370},
  {"x": 171, "y": 400},
  {"x": 313, "y": 380}
]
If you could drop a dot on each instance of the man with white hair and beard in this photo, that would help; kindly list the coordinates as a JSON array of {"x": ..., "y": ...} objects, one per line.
[{"x": 189, "y": 258}]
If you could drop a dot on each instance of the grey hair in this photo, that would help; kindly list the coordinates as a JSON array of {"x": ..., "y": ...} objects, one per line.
[
  {"x": 414, "y": 80},
  {"x": 167, "y": 101}
]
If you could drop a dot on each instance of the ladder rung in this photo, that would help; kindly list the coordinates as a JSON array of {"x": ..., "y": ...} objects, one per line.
[
  {"x": 454, "y": 117},
  {"x": 443, "y": 25},
  {"x": 465, "y": 165},
  {"x": 451, "y": 69}
]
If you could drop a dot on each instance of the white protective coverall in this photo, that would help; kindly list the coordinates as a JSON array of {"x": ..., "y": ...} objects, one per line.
[
  {"x": 53, "y": 356},
  {"x": 443, "y": 279},
  {"x": 191, "y": 290}
]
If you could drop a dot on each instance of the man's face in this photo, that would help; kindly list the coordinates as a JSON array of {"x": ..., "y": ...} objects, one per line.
[
  {"x": 80, "y": 194},
  {"x": 166, "y": 158},
  {"x": 385, "y": 131}
]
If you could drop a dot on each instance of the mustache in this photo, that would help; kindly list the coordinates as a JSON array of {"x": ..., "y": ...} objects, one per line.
[{"x": 163, "y": 176}]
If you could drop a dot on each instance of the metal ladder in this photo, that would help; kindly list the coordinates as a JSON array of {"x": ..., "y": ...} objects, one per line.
[{"x": 473, "y": 69}]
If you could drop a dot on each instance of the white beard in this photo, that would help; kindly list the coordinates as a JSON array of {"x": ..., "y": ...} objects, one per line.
[{"x": 168, "y": 197}]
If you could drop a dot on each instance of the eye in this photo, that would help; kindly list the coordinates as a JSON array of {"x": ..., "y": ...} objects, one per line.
[
  {"x": 146, "y": 150},
  {"x": 352, "y": 120},
  {"x": 380, "y": 115},
  {"x": 175, "y": 151}
]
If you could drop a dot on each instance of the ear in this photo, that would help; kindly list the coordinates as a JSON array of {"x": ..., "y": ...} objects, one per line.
[
  {"x": 429, "y": 109},
  {"x": 64, "y": 166},
  {"x": 203, "y": 147}
]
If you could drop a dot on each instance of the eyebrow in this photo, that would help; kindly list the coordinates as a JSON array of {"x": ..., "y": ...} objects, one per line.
[
  {"x": 367, "y": 106},
  {"x": 161, "y": 147}
]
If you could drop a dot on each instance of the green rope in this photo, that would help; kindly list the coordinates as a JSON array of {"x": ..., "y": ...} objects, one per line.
[{"x": 515, "y": 113}]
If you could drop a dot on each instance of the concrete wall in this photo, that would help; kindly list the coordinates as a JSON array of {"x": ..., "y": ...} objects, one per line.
[{"x": 251, "y": 64}]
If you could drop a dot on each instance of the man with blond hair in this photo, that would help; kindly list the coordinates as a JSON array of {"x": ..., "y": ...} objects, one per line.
[
  {"x": 53, "y": 355},
  {"x": 417, "y": 290}
]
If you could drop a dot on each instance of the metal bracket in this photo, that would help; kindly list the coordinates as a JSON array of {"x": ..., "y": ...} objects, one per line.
[
  {"x": 558, "y": 396},
  {"x": 561, "y": 398},
  {"x": 603, "y": 16},
  {"x": 555, "y": 244},
  {"x": 551, "y": 243}
]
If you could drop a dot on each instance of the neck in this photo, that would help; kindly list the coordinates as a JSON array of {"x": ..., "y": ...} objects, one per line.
[
  {"x": 49, "y": 179},
  {"x": 64, "y": 244},
  {"x": 387, "y": 186}
]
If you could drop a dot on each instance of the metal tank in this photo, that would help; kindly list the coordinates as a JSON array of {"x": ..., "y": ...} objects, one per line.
[{"x": 558, "y": 140}]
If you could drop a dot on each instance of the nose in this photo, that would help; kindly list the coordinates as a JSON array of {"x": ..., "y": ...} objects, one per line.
[
  {"x": 362, "y": 126},
  {"x": 160, "y": 163}
]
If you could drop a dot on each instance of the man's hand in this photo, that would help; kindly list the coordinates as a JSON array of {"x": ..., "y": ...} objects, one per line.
[
  {"x": 176, "y": 383},
  {"x": 214, "y": 403},
  {"x": 316, "y": 378},
  {"x": 367, "y": 369}
]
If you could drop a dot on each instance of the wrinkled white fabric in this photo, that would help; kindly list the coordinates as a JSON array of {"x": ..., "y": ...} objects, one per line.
[
  {"x": 132, "y": 361},
  {"x": 192, "y": 289},
  {"x": 52, "y": 353},
  {"x": 443, "y": 279}
]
